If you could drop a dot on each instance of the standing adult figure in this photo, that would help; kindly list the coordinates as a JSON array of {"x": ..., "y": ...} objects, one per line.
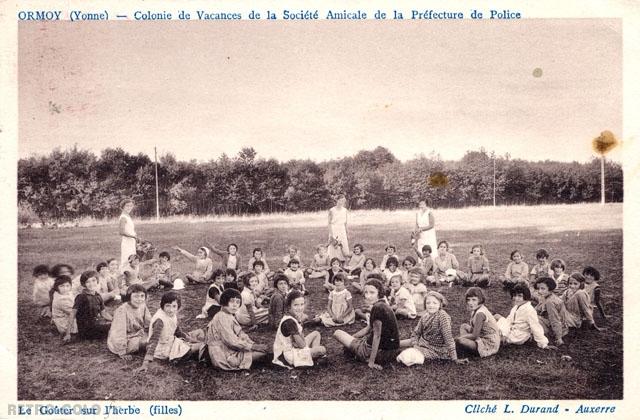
[
  {"x": 425, "y": 233},
  {"x": 127, "y": 233},
  {"x": 338, "y": 240}
]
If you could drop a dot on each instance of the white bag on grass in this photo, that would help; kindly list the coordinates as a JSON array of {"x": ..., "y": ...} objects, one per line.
[{"x": 410, "y": 357}]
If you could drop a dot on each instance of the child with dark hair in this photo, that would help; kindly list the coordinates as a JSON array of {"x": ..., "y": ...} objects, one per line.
[
  {"x": 417, "y": 288},
  {"x": 542, "y": 268},
  {"x": 277, "y": 306},
  {"x": 108, "y": 290},
  {"x": 161, "y": 270},
  {"x": 390, "y": 270},
  {"x": 356, "y": 261},
  {"x": 432, "y": 338},
  {"x": 369, "y": 300},
  {"x": 130, "y": 319},
  {"x": 62, "y": 304},
  {"x": 259, "y": 255},
  {"x": 368, "y": 268},
  {"x": 133, "y": 275},
  {"x": 334, "y": 270},
  {"x": 263, "y": 288},
  {"x": 230, "y": 257},
  {"x": 212, "y": 302},
  {"x": 561, "y": 278},
  {"x": 444, "y": 261},
  {"x": 426, "y": 264},
  {"x": 390, "y": 251},
  {"x": 231, "y": 279},
  {"x": 339, "y": 306},
  {"x": 166, "y": 339},
  {"x": 290, "y": 347},
  {"x": 522, "y": 322},
  {"x": 478, "y": 266},
  {"x": 249, "y": 314},
  {"x": 591, "y": 286},
  {"x": 379, "y": 341},
  {"x": 295, "y": 275},
  {"x": 229, "y": 347},
  {"x": 551, "y": 311},
  {"x": 517, "y": 271},
  {"x": 400, "y": 299},
  {"x": 407, "y": 264},
  {"x": 204, "y": 265},
  {"x": 88, "y": 311},
  {"x": 42, "y": 285},
  {"x": 481, "y": 335},
  {"x": 576, "y": 300}
]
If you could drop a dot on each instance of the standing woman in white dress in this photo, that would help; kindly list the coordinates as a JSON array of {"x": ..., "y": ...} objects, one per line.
[
  {"x": 425, "y": 233},
  {"x": 128, "y": 234},
  {"x": 338, "y": 230}
]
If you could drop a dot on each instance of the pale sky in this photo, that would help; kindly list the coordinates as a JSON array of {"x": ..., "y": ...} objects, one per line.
[{"x": 321, "y": 90}]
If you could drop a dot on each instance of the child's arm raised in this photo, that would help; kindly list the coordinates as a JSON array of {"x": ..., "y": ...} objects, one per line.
[
  {"x": 186, "y": 253},
  {"x": 219, "y": 252},
  {"x": 377, "y": 333}
]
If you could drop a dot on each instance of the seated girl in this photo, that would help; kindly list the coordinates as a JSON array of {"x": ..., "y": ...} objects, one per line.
[
  {"x": 259, "y": 255},
  {"x": 107, "y": 286},
  {"x": 249, "y": 314},
  {"x": 426, "y": 264},
  {"x": 481, "y": 336},
  {"x": 336, "y": 268},
  {"x": 478, "y": 268},
  {"x": 390, "y": 251},
  {"x": 416, "y": 287},
  {"x": 204, "y": 266},
  {"x": 230, "y": 257},
  {"x": 522, "y": 322},
  {"x": 390, "y": 270},
  {"x": 290, "y": 347},
  {"x": 88, "y": 312},
  {"x": 296, "y": 276},
  {"x": 339, "y": 307},
  {"x": 401, "y": 299},
  {"x": 61, "y": 304},
  {"x": 444, "y": 261},
  {"x": 130, "y": 319},
  {"x": 368, "y": 268},
  {"x": 132, "y": 273},
  {"x": 517, "y": 271},
  {"x": 551, "y": 311},
  {"x": 292, "y": 254},
  {"x": 320, "y": 265},
  {"x": 407, "y": 264},
  {"x": 356, "y": 261},
  {"x": 432, "y": 338},
  {"x": 42, "y": 285},
  {"x": 378, "y": 342},
  {"x": 166, "y": 339},
  {"x": 576, "y": 301},
  {"x": 229, "y": 347},
  {"x": 591, "y": 286},
  {"x": 212, "y": 301},
  {"x": 277, "y": 305}
]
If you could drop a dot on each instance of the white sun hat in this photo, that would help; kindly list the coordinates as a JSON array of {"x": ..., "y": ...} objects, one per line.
[{"x": 178, "y": 284}]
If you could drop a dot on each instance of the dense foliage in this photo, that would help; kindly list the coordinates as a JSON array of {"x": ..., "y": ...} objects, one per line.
[{"x": 73, "y": 183}]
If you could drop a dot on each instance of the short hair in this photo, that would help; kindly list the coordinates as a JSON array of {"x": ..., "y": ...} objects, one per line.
[
  {"x": 244, "y": 278},
  {"x": 110, "y": 260},
  {"x": 320, "y": 246},
  {"x": 256, "y": 250},
  {"x": 293, "y": 261},
  {"x": 278, "y": 278},
  {"x": 372, "y": 262},
  {"x": 477, "y": 246},
  {"x": 397, "y": 276},
  {"x": 375, "y": 276},
  {"x": 230, "y": 285},
  {"x": 578, "y": 277},
  {"x": 558, "y": 263},
  {"x": 134, "y": 288},
  {"x": 427, "y": 248},
  {"x": 56, "y": 269},
  {"x": 514, "y": 252},
  {"x": 293, "y": 295},
  {"x": 371, "y": 281},
  {"x": 258, "y": 262},
  {"x": 164, "y": 254},
  {"x": 551, "y": 283},
  {"x": 386, "y": 248},
  {"x": 170, "y": 297},
  {"x": 40, "y": 269},
  {"x": 230, "y": 245},
  {"x": 217, "y": 273},
  {"x": 341, "y": 196},
  {"x": 391, "y": 260},
  {"x": 542, "y": 253},
  {"x": 59, "y": 281},
  {"x": 125, "y": 202},
  {"x": 359, "y": 246},
  {"x": 229, "y": 294},
  {"x": 521, "y": 289},
  {"x": 101, "y": 265},
  {"x": 417, "y": 270},
  {"x": 475, "y": 292},
  {"x": 86, "y": 275},
  {"x": 334, "y": 259},
  {"x": 340, "y": 277},
  {"x": 231, "y": 272},
  {"x": 443, "y": 242},
  {"x": 410, "y": 259},
  {"x": 591, "y": 271}
]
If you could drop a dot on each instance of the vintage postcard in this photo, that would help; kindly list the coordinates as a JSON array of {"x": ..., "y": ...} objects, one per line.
[{"x": 369, "y": 208}]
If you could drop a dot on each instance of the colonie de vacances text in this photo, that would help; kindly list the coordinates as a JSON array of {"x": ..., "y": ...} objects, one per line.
[{"x": 428, "y": 14}]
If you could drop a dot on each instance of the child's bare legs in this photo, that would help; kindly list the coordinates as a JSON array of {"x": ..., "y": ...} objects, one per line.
[
  {"x": 313, "y": 341},
  {"x": 407, "y": 342},
  {"x": 466, "y": 344},
  {"x": 343, "y": 338}
]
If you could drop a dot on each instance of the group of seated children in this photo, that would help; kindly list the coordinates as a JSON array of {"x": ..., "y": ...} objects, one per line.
[{"x": 238, "y": 303}]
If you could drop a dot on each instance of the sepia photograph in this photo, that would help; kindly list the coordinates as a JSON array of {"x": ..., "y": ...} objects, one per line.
[{"x": 327, "y": 210}]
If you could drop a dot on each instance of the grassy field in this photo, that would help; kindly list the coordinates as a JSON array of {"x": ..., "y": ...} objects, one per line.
[{"x": 581, "y": 235}]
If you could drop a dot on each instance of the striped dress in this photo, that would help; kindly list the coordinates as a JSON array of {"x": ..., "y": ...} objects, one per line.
[{"x": 433, "y": 338}]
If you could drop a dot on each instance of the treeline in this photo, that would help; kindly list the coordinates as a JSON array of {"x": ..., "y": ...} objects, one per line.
[{"x": 70, "y": 184}]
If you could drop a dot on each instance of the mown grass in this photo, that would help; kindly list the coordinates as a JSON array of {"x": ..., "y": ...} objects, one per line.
[{"x": 87, "y": 370}]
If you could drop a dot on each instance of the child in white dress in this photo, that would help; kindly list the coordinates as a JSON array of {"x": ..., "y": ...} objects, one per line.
[
  {"x": 401, "y": 299},
  {"x": 62, "y": 304}
]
